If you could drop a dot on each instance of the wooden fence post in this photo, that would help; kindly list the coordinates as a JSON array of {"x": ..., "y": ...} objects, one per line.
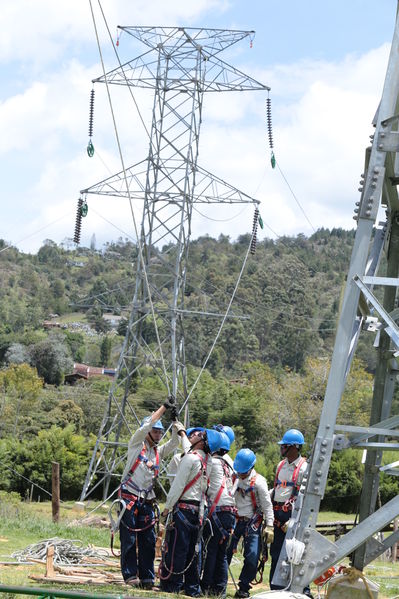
[{"x": 55, "y": 491}]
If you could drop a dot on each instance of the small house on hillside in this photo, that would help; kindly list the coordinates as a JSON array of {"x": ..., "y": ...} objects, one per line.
[{"x": 83, "y": 371}]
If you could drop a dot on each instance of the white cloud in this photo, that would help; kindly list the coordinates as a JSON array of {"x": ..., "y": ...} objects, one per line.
[{"x": 321, "y": 115}]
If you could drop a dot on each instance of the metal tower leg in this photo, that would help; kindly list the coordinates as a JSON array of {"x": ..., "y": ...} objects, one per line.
[{"x": 359, "y": 307}]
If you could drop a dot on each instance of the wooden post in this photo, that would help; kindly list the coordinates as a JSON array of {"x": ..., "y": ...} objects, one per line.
[
  {"x": 50, "y": 560},
  {"x": 55, "y": 491}
]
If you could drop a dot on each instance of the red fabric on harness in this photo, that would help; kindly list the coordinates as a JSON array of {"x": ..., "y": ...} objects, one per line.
[
  {"x": 251, "y": 490},
  {"x": 137, "y": 462},
  {"x": 140, "y": 459},
  {"x": 295, "y": 474},
  {"x": 218, "y": 496},
  {"x": 204, "y": 463}
]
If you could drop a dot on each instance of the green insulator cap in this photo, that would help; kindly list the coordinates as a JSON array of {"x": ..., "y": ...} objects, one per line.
[
  {"x": 84, "y": 209},
  {"x": 90, "y": 149},
  {"x": 273, "y": 160},
  {"x": 260, "y": 221}
]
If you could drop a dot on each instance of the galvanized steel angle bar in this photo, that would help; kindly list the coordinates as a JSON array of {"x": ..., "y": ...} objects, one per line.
[{"x": 391, "y": 329}]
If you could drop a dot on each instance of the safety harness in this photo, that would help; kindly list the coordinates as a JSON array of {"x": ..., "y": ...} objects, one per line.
[
  {"x": 127, "y": 500},
  {"x": 213, "y": 510},
  {"x": 287, "y": 505},
  {"x": 294, "y": 482},
  {"x": 169, "y": 525}
]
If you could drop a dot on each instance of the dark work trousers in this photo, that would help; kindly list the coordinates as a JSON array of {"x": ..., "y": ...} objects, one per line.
[
  {"x": 138, "y": 548},
  {"x": 181, "y": 541},
  {"x": 252, "y": 547},
  {"x": 216, "y": 538}
]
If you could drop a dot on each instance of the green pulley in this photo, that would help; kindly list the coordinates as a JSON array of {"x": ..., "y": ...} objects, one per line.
[
  {"x": 90, "y": 149},
  {"x": 260, "y": 221},
  {"x": 84, "y": 209},
  {"x": 272, "y": 160}
]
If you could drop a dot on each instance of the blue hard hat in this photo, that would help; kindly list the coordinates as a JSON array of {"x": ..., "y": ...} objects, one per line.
[
  {"x": 158, "y": 425},
  {"x": 194, "y": 429},
  {"x": 244, "y": 461},
  {"x": 226, "y": 429},
  {"x": 292, "y": 437},
  {"x": 215, "y": 439},
  {"x": 225, "y": 441}
]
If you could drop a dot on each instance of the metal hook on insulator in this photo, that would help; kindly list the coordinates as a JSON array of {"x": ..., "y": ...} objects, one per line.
[
  {"x": 81, "y": 212},
  {"x": 270, "y": 129},
  {"x": 252, "y": 248}
]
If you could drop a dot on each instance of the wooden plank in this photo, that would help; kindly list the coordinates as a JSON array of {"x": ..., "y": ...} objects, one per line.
[{"x": 50, "y": 561}]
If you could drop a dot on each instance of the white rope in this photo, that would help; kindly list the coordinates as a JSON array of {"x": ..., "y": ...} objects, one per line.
[
  {"x": 130, "y": 200},
  {"x": 294, "y": 550}
]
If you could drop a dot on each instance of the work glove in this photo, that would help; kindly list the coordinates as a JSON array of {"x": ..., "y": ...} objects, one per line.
[
  {"x": 178, "y": 427},
  {"x": 174, "y": 414},
  {"x": 170, "y": 402},
  {"x": 268, "y": 535},
  {"x": 163, "y": 517}
]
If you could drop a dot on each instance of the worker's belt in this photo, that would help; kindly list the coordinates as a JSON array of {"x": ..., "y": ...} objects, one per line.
[
  {"x": 244, "y": 518},
  {"x": 226, "y": 508},
  {"x": 134, "y": 498},
  {"x": 188, "y": 505},
  {"x": 280, "y": 506}
]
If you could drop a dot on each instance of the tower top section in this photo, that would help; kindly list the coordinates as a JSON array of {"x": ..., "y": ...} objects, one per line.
[
  {"x": 183, "y": 59},
  {"x": 172, "y": 39}
]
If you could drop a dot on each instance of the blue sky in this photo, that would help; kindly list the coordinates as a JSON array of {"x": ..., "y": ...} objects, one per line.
[{"x": 325, "y": 62}]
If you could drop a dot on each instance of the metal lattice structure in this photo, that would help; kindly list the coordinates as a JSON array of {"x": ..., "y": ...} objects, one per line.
[
  {"x": 376, "y": 243},
  {"x": 180, "y": 66}
]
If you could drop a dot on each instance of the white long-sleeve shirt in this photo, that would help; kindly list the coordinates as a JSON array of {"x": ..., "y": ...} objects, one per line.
[
  {"x": 189, "y": 467},
  {"x": 243, "y": 498},
  {"x": 282, "y": 492},
  {"x": 175, "y": 461},
  {"x": 221, "y": 470},
  {"x": 143, "y": 475}
]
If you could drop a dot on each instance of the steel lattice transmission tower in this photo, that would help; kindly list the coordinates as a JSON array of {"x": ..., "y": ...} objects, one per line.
[
  {"x": 180, "y": 66},
  {"x": 374, "y": 266}
]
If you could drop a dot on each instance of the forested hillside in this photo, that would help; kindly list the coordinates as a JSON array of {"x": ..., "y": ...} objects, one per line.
[{"x": 267, "y": 373}]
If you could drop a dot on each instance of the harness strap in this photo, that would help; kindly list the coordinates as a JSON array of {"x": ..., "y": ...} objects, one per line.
[
  {"x": 142, "y": 457},
  {"x": 251, "y": 490},
  {"x": 295, "y": 475},
  {"x": 201, "y": 471},
  {"x": 217, "y": 498}
]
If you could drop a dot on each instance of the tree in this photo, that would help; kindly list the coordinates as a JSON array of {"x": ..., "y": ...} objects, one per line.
[
  {"x": 17, "y": 353},
  {"x": 67, "y": 413},
  {"x": 52, "y": 359},
  {"x": 105, "y": 350},
  {"x": 20, "y": 387},
  {"x": 76, "y": 344}
]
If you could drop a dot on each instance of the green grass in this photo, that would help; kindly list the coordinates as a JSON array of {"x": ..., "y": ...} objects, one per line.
[{"x": 22, "y": 524}]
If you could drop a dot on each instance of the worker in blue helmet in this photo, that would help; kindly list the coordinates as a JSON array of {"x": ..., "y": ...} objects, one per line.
[
  {"x": 220, "y": 521},
  {"x": 289, "y": 474},
  {"x": 137, "y": 497},
  {"x": 184, "y": 514},
  {"x": 185, "y": 446},
  {"x": 226, "y": 429},
  {"x": 254, "y": 515}
]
